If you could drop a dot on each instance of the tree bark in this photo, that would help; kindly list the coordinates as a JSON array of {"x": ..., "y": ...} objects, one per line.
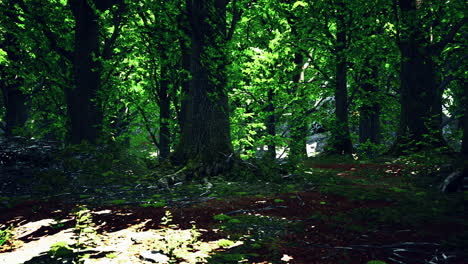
[
  {"x": 16, "y": 109},
  {"x": 341, "y": 139},
  {"x": 164, "y": 115},
  {"x": 298, "y": 128},
  {"x": 83, "y": 102},
  {"x": 206, "y": 130},
  {"x": 14, "y": 99},
  {"x": 271, "y": 124},
  {"x": 369, "y": 112},
  {"x": 464, "y": 149},
  {"x": 420, "y": 95}
]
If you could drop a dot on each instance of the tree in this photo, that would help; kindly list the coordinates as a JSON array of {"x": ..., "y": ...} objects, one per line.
[
  {"x": 420, "y": 87},
  {"x": 11, "y": 79},
  {"x": 464, "y": 149},
  {"x": 15, "y": 100},
  {"x": 341, "y": 139},
  {"x": 205, "y": 134}
]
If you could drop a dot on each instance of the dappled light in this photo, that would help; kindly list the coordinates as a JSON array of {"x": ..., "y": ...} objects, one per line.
[{"x": 233, "y": 131}]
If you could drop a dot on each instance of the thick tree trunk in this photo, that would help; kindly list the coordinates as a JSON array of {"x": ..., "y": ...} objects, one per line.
[
  {"x": 420, "y": 97},
  {"x": 206, "y": 131},
  {"x": 83, "y": 102},
  {"x": 341, "y": 139}
]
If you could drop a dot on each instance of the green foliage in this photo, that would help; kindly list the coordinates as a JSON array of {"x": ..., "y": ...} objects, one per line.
[
  {"x": 225, "y": 243},
  {"x": 6, "y": 234},
  {"x": 376, "y": 262},
  {"x": 285, "y": 71},
  {"x": 180, "y": 244},
  {"x": 157, "y": 204},
  {"x": 222, "y": 217},
  {"x": 61, "y": 250},
  {"x": 260, "y": 227},
  {"x": 84, "y": 230}
]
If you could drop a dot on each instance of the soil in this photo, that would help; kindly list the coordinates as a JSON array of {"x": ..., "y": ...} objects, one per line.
[{"x": 309, "y": 226}]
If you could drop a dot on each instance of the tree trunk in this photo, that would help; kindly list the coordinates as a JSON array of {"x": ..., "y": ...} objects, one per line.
[
  {"x": 164, "y": 115},
  {"x": 83, "y": 102},
  {"x": 185, "y": 80},
  {"x": 16, "y": 109},
  {"x": 369, "y": 112},
  {"x": 341, "y": 139},
  {"x": 271, "y": 124},
  {"x": 420, "y": 97},
  {"x": 464, "y": 149},
  {"x": 206, "y": 130},
  {"x": 298, "y": 123},
  {"x": 14, "y": 99}
]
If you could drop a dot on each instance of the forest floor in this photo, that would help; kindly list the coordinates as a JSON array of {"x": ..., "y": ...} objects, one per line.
[{"x": 334, "y": 212}]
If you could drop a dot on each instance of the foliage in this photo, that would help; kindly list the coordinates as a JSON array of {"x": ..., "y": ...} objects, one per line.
[
  {"x": 61, "y": 250},
  {"x": 376, "y": 262},
  {"x": 282, "y": 69},
  {"x": 180, "y": 244},
  {"x": 84, "y": 230},
  {"x": 6, "y": 234}
]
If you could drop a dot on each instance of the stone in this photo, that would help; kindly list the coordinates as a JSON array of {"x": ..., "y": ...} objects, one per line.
[{"x": 452, "y": 183}]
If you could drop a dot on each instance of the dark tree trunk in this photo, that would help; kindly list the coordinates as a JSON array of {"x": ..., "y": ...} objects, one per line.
[
  {"x": 464, "y": 149},
  {"x": 16, "y": 108},
  {"x": 298, "y": 123},
  {"x": 164, "y": 115},
  {"x": 341, "y": 139},
  {"x": 83, "y": 102},
  {"x": 369, "y": 112},
  {"x": 185, "y": 80},
  {"x": 206, "y": 130},
  {"x": 14, "y": 99},
  {"x": 420, "y": 95},
  {"x": 271, "y": 124}
]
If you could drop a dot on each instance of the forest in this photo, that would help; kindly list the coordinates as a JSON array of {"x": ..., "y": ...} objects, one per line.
[{"x": 233, "y": 131}]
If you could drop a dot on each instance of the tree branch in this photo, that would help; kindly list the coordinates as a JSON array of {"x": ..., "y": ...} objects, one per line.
[
  {"x": 439, "y": 47},
  {"x": 51, "y": 36}
]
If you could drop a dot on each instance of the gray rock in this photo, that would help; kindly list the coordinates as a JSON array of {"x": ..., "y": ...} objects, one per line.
[{"x": 452, "y": 183}]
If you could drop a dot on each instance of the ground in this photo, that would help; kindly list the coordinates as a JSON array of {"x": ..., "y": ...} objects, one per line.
[{"x": 332, "y": 212}]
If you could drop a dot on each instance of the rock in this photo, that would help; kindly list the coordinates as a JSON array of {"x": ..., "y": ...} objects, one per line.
[
  {"x": 452, "y": 183},
  {"x": 154, "y": 256}
]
